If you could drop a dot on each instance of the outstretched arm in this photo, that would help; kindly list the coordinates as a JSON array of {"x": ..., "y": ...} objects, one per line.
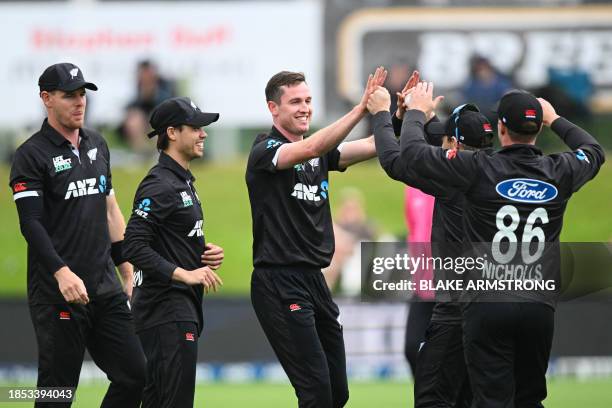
[{"x": 329, "y": 137}]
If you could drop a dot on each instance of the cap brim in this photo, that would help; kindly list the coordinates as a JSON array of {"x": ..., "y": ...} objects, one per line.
[
  {"x": 152, "y": 134},
  {"x": 76, "y": 85},
  {"x": 203, "y": 119}
]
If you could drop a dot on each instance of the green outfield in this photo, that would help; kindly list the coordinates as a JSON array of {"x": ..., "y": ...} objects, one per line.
[
  {"x": 562, "y": 393},
  {"x": 227, "y": 219}
]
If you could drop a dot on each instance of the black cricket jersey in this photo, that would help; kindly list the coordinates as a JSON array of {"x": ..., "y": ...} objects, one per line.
[
  {"x": 165, "y": 231},
  {"x": 515, "y": 194},
  {"x": 292, "y": 224},
  {"x": 447, "y": 220},
  {"x": 73, "y": 185}
]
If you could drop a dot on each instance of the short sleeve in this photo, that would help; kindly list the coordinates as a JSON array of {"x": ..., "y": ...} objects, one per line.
[
  {"x": 333, "y": 158},
  {"x": 27, "y": 175},
  {"x": 109, "y": 179},
  {"x": 264, "y": 155}
]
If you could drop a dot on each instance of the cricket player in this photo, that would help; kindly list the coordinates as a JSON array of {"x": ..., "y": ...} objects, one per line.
[
  {"x": 440, "y": 375},
  {"x": 165, "y": 240},
  {"x": 515, "y": 195},
  {"x": 288, "y": 183},
  {"x": 69, "y": 216}
]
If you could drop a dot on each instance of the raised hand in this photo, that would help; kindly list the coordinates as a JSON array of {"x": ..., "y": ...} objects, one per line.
[
  {"x": 422, "y": 98},
  {"x": 374, "y": 81},
  {"x": 380, "y": 100},
  {"x": 401, "y": 96},
  {"x": 549, "y": 115}
]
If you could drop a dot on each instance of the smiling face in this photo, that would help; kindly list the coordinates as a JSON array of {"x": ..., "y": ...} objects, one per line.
[
  {"x": 66, "y": 109},
  {"x": 294, "y": 111},
  {"x": 189, "y": 142}
]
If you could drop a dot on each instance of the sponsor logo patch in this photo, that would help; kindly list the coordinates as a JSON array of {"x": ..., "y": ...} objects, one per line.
[
  {"x": 187, "y": 201},
  {"x": 526, "y": 190},
  {"x": 85, "y": 187},
  {"x": 189, "y": 336},
  {"x": 143, "y": 208},
  {"x": 61, "y": 164},
  {"x": 487, "y": 127},
  {"x": 273, "y": 143},
  {"x": 294, "y": 307},
  {"x": 64, "y": 315},
  {"x": 197, "y": 229},
  {"x": 580, "y": 155},
  {"x": 19, "y": 187},
  {"x": 530, "y": 113}
]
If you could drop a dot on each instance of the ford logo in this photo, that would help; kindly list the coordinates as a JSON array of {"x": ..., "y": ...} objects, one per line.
[{"x": 526, "y": 190}]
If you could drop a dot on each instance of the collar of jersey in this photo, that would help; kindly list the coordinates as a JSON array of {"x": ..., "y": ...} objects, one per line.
[
  {"x": 276, "y": 134},
  {"x": 55, "y": 136},
  {"x": 169, "y": 163},
  {"x": 522, "y": 149}
]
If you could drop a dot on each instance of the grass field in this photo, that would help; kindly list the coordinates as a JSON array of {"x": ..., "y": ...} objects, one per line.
[
  {"x": 227, "y": 220},
  {"x": 563, "y": 393}
]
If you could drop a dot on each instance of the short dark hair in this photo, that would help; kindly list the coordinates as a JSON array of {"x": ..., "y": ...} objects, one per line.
[
  {"x": 163, "y": 141},
  {"x": 283, "y": 78},
  {"x": 524, "y": 138}
]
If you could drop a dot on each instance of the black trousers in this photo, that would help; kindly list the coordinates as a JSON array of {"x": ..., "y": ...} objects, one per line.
[
  {"x": 441, "y": 379},
  {"x": 300, "y": 320},
  {"x": 172, "y": 351},
  {"x": 419, "y": 316},
  {"x": 507, "y": 347},
  {"x": 105, "y": 328}
]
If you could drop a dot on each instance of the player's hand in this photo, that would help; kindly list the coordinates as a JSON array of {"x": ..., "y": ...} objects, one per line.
[
  {"x": 71, "y": 286},
  {"x": 379, "y": 101},
  {"x": 422, "y": 98},
  {"x": 374, "y": 81},
  {"x": 201, "y": 276},
  {"x": 405, "y": 93},
  {"x": 549, "y": 115},
  {"x": 213, "y": 256}
]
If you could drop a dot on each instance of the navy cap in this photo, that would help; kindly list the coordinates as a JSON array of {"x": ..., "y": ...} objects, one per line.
[
  {"x": 65, "y": 77},
  {"x": 176, "y": 112},
  {"x": 520, "y": 111},
  {"x": 466, "y": 124}
]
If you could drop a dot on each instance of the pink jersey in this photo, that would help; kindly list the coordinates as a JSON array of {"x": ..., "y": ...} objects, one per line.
[{"x": 419, "y": 213}]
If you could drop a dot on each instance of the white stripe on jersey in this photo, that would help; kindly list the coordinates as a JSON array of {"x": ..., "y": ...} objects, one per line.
[{"x": 23, "y": 194}]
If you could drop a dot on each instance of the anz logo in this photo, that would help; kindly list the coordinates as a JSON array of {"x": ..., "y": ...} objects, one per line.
[
  {"x": 85, "y": 187},
  {"x": 312, "y": 193},
  {"x": 144, "y": 206},
  {"x": 197, "y": 229},
  {"x": 526, "y": 190}
]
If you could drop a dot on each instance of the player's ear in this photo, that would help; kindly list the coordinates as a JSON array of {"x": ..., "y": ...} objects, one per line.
[
  {"x": 273, "y": 108},
  {"x": 46, "y": 98},
  {"x": 171, "y": 132}
]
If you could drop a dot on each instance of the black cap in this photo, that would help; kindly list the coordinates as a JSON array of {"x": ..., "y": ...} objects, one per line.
[
  {"x": 466, "y": 124},
  {"x": 176, "y": 112},
  {"x": 520, "y": 111},
  {"x": 65, "y": 77}
]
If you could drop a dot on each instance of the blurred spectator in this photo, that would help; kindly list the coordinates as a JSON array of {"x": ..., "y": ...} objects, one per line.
[
  {"x": 569, "y": 91},
  {"x": 351, "y": 226},
  {"x": 485, "y": 86},
  {"x": 151, "y": 89}
]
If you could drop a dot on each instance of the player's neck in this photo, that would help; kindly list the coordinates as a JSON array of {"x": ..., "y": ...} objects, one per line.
[
  {"x": 72, "y": 135},
  {"x": 179, "y": 158},
  {"x": 290, "y": 136}
]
